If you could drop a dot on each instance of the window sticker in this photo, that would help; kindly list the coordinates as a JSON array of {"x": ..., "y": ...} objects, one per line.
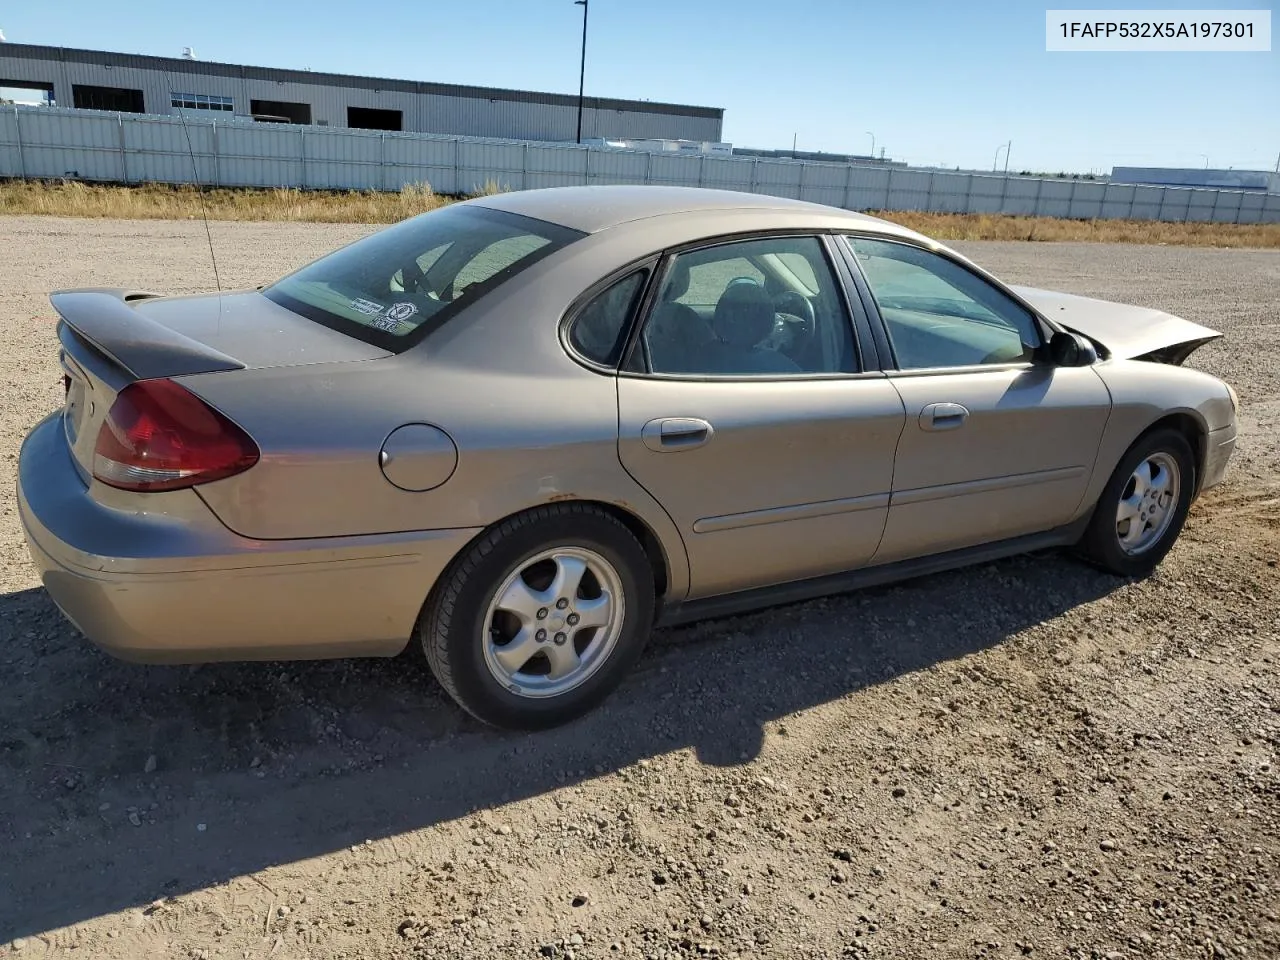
[{"x": 401, "y": 311}]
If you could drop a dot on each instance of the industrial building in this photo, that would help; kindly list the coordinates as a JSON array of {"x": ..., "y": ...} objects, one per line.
[
  {"x": 682, "y": 147},
  {"x": 1259, "y": 181},
  {"x": 130, "y": 83},
  {"x": 820, "y": 156}
]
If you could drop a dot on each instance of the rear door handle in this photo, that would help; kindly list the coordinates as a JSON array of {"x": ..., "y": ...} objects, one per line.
[
  {"x": 669, "y": 434},
  {"x": 943, "y": 416}
]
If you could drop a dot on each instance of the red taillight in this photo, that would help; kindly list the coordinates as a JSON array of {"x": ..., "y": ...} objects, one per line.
[{"x": 160, "y": 436}]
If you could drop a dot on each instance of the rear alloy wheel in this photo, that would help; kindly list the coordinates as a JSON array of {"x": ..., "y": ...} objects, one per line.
[
  {"x": 541, "y": 618},
  {"x": 1144, "y": 505},
  {"x": 553, "y": 622}
]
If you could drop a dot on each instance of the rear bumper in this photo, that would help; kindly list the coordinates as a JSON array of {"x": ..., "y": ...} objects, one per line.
[
  {"x": 161, "y": 588},
  {"x": 1219, "y": 445}
]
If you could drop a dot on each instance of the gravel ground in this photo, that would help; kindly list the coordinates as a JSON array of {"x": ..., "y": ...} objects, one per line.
[{"x": 1026, "y": 758}]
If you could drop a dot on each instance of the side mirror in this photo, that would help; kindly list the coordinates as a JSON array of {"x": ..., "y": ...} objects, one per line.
[{"x": 1071, "y": 350}]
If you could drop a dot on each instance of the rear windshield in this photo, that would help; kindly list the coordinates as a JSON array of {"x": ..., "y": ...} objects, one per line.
[{"x": 394, "y": 287}]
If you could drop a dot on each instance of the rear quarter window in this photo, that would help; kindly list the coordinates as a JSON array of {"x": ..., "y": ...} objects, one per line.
[{"x": 599, "y": 330}]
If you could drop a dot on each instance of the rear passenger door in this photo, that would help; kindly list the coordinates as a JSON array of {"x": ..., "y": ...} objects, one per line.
[
  {"x": 998, "y": 442},
  {"x": 746, "y": 409}
]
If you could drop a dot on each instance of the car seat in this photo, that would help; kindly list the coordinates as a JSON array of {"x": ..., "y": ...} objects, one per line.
[
  {"x": 744, "y": 317},
  {"x": 679, "y": 340}
]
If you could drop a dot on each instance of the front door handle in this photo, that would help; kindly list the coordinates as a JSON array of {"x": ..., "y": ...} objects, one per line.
[
  {"x": 943, "y": 416},
  {"x": 669, "y": 434}
]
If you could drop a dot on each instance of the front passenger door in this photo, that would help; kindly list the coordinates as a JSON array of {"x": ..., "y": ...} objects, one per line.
[{"x": 997, "y": 442}]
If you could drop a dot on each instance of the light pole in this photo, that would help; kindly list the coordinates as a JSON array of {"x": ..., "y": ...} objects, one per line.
[
  {"x": 873, "y": 143},
  {"x": 1206, "y": 160},
  {"x": 1005, "y": 147},
  {"x": 582, "y": 71}
]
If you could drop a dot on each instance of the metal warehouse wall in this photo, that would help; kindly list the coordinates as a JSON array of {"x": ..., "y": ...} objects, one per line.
[
  {"x": 1196, "y": 177},
  {"x": 91, "y": 145},
  {"x": 426, "y": 107}
]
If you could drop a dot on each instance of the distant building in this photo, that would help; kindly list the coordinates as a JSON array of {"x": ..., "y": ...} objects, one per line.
[
  {"x": 662, "y": 146},
  {"x": 1260, "y": 181},
  {"x": 818, "y": 156},
  {"x": 129, "y": 83}
]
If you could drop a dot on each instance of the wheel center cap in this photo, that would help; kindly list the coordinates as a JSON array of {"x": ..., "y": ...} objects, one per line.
[{"x": 556, "y": 620}]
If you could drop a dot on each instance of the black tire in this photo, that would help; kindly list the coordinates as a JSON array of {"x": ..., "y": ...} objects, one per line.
[
  {"x": 1101, "y": 544},
  {"x": 452, "y": 633}
]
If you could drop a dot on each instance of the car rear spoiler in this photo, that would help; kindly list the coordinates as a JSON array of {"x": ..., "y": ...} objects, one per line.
[{"x": 142, "y": 347}]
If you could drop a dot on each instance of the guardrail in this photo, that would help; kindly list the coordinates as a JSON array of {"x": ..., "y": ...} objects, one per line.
[{"x": 128, "y": 148}]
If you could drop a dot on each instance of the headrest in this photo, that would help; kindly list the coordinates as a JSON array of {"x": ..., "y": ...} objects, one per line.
[{"x": 744, "y": 315}]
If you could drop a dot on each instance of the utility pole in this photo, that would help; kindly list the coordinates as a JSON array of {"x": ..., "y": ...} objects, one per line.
[
  {"x": 994, "y": 160},
  {"x": 582, "y": 71}
]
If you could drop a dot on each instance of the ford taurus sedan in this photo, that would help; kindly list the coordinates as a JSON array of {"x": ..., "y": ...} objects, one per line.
[{"x": 517, "y": 432}]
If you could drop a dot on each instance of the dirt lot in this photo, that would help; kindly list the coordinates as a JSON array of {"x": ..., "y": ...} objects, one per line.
[{"x": 1027, "y": 758}]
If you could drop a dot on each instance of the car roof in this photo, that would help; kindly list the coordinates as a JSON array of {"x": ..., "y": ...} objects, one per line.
[{"x": 595, "y": 208}]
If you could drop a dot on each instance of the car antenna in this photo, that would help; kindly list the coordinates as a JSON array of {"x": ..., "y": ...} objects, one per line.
[{"x": 204, "y": 211}]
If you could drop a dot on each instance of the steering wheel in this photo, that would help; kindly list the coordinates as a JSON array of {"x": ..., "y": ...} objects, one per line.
[{"x": 795, "y": 308}]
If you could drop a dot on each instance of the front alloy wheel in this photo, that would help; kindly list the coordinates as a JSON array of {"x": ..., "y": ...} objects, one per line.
[
  {"x": 1143, "y": 506},
  {"x": 1148, "y": 504}
]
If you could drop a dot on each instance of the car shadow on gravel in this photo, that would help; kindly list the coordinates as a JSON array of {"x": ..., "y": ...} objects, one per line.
[{"x": 121, "y": 784}]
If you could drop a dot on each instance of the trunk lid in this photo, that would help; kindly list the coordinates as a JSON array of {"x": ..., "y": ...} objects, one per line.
[
  {"x": 1125, "y": 332},
  {"x": 111, "y": 337}
]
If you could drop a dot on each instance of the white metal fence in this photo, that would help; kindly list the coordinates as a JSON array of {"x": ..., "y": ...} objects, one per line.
[{"x": 125, "y": 148}]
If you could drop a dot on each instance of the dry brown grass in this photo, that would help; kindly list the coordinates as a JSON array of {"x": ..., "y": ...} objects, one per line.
[
  {"x": 491, "y": 187},
  {"x": 160, "y": 202},
  {"x": 983, "y": 226}
]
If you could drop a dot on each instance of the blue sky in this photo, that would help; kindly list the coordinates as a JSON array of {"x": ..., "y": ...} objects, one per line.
[{"x": 937, "y": 82}]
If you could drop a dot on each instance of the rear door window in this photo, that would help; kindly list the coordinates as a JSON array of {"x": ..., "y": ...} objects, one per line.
[
  {"x": 395, "y": 286},
  {"x": 767, "y": 307}
]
